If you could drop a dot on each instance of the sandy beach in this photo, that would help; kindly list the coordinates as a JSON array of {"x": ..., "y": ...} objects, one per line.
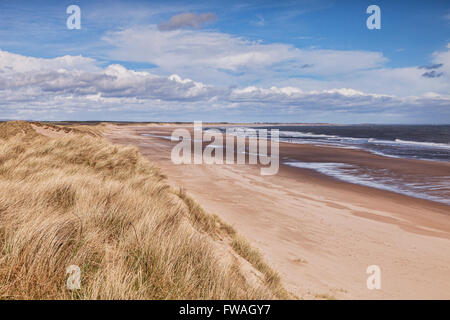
[{"x": 319, "y": 233}]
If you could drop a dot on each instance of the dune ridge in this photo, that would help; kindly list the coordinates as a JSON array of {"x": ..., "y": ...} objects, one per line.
[{"x": 76, "y": 199}]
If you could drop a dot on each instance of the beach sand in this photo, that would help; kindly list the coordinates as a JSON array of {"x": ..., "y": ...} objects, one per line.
[{"x": 321, "y": 234}]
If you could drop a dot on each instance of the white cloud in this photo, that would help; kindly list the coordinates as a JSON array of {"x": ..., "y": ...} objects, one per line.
[
  {"x": 405, "y": 81},
  {"x": 10, "y": 62},
  {"x": 218, "y": 57},
  {"x": 222, "y": 59},
  {"x": 59, "y": 87},
  {"x": 443, "y": 57}
]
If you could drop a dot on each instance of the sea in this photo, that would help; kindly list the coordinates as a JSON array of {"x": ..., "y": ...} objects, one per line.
[{"x": 422, "y": 142}]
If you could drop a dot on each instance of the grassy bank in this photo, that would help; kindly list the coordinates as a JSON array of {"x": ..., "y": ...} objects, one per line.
[{"x": 75, "y": 199}]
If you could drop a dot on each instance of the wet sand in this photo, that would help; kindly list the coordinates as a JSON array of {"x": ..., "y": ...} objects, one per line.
[{"x": 319, "y": 233}]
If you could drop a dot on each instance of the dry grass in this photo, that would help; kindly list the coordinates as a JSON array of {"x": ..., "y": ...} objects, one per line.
[
  {"x": 252, "y": 255},
  {"x": 91, "y": 130},
  {"x": 78, "y": 200},
  {"x": 14, "y": 128}
]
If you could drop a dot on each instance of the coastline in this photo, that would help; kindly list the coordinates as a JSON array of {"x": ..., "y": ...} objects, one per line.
[{"x": 318, "y": 232}]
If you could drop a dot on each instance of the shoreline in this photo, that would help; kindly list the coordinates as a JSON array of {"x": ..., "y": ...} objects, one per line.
[
  {"x": 318, "y": 232},
  {"x": 312, "y": 157}
]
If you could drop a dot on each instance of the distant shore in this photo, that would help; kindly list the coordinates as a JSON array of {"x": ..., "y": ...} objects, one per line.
[{"x": 177, "y": 123}]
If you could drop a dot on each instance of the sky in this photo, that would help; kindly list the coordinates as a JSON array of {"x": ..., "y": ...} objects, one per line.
[{"x": 235, "y": 61}]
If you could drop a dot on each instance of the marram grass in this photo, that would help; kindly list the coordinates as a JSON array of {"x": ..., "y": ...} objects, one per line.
[{"x": 79, "y": 200}]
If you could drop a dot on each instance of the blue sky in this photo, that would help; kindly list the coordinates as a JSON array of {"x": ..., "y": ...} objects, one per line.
[{"x": 305, "y": 61}]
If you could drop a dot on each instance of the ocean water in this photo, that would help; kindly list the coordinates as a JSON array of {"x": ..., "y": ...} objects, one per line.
[
  {"x": 429, "y": 188},
  {"x": 425, "y": 142}
]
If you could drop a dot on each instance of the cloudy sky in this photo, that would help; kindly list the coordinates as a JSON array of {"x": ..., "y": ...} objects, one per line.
[{"x": 278, "y": 61}]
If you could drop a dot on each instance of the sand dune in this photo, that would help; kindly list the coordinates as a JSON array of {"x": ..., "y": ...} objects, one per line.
[{"x": 69, "y": 198}]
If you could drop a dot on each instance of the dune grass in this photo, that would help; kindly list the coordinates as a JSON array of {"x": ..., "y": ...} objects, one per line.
[{"x": 79, "y": 200}]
